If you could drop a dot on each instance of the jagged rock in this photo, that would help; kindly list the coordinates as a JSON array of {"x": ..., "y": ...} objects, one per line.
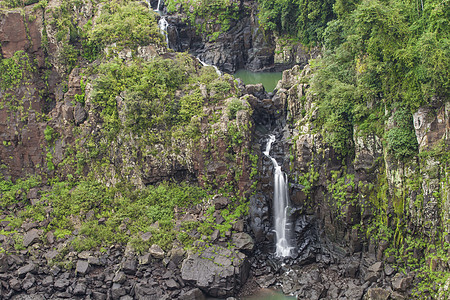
[
  {"x": 28, "y": 297},
  {"x": 129, "y": 266},
  {"x": 82, "y": 267},
  {"x": 117, "y": 291},
  {"x": 120, "y": 277},
  {"x": 352, "y": 269},
  {"x": 84, "y": 255},
  {"x": 397, "y": 296},
  {"x": 144, "y": 259},
  {"x": 49, "y": 255},
  {"x": 194, "y": 294},
  {"x": 28, "y": 282},
  {"x": 29, "y": 226},
  {"x": 177, "y": 255},
  {"x": 79, "y": 289},
  {"x": 15, "y": 284},
  {"x": 21, "y": 272},
  {"x": 353, "y": 292},
  {"x": 242, "y": 241},
  {"x": 221, "y": 202},
  {"x": 61, "y": 284},
  {"x": 371, "y": 277},
  {"x": 3, "y": 263},
  {"x": 172, "y": 284},
  {"x": 377, "y": 294},
  {"x": 95, "y": 261},
  {"x": 50, "y": 237},
  {"x": 64, "y": 295},
  {"x": 401, "y": 284},
  {"x": 98, "y": 296},
  {"x": 376, "y": 267},
  {"x": 156, "y": 251},
  {"x": 388, "y": 270},
  {"x": 256, "y": 90},
  {"x": 79, "y": 114},
  {"x": 146, "y": 236},
  {"x": 31, "y": 237},
  {"x": 47, "y": 281},
  {"x": 239, "y": 226},
  {"x": 147, "y": 292},
  {"x": 217, "y": 271}
]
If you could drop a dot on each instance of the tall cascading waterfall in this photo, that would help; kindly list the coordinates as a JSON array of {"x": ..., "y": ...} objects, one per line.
[{"x": 281, "y": 205}]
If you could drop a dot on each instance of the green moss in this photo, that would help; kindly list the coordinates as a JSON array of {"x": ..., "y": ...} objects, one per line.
[{"x": 14, "y": 70}]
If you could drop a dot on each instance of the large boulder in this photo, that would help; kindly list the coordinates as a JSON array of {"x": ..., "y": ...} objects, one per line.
[
  {"x": 242, "y": 241},
  {"x": 217, "y": 271}
]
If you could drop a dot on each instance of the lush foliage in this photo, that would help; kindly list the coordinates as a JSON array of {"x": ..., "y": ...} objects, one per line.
[
  {"x": 215, "y": 15},
  {"x": 379, "y": 55},
  {"x": 129, "y": 25},
  {"x": 142, "y": 93},
  {"x": 105, "y": 215},
  {"x": 147, "y": 89},
  {"x": 12, "y": 192},
  {"x": 304, "y": 19}
]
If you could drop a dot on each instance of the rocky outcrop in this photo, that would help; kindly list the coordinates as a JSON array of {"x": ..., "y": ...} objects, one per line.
[
  {"x": 96, "y": 276},
  {"x": 337, "y": 195},
  {"x": 218, "y": 271},
  {"x": 245, "y": 45}
]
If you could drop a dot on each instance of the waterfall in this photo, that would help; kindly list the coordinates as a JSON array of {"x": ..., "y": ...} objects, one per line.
[
  {"x": 280, "y": 205},
  {"x": 163, "y": 24},
  {"x": 158, "y": 6},
  {"x": 206, "y": 65}
]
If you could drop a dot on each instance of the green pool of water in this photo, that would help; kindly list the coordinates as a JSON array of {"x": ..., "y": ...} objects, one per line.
[{"x": 268, "y": 79}]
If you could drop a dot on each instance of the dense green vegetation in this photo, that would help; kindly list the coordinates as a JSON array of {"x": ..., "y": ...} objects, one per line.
[
  {"x": 211, "y": 17},
  {"x": 389, "y": 54},
  {"x": 126, "y": 25},
  {"x": 303, "y": 19},
  {"x": 104, "y": 215}
]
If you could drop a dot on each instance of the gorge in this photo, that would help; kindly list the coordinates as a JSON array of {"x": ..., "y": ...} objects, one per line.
[{"x": 130, "y": 169}]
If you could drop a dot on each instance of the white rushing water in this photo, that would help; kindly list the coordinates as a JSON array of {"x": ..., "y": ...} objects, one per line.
[
  {"x": 163, "y": 24},
  {"x": 280, "y": 204},
  {"x": 206, "y": 65},
  {"x": 158, "y": 6}
]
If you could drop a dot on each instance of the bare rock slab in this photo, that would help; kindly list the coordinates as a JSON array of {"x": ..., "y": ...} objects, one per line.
[
  {"x": 217, "y": 271},
  {"x": 82, "y": 267},
  {"x": 242, "y": 241},
  {"x": 21, "y": 272},
  {"x": 31, "y": 237},
  {"x": 377, "y": 294}
]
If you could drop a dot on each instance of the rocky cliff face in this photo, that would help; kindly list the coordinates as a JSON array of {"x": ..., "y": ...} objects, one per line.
[
  {"x": 245, "y": 45},
  {"x": 357, "y": 219},
  {"x": 355, "y": 197}
]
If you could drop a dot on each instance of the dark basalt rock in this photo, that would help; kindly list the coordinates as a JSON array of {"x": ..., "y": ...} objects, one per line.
[{"x": 217, "y": 271}]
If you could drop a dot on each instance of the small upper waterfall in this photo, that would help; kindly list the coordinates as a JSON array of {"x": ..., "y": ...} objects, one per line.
[
  {"x": 163, "y": 24},
  {"x": 206, "y": 65},
  {"x": 281, "y": 205},
  {"x": 158, "y": 6}
]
